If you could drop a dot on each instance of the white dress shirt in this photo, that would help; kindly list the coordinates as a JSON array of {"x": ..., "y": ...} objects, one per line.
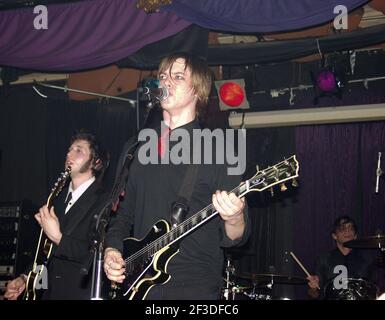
[{"x": 76, "y": 194}]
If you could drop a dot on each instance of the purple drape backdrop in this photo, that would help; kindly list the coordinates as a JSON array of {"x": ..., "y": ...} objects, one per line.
[
  {"x": 90, "y": 34},
  {"x": 258, "y": 15},
  {"x": 81, "y": 35}
]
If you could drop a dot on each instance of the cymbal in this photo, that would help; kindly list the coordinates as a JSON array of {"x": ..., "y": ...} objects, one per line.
[
  {"x": 270, "y": 277},
  {"x": 377, "y": 241}
]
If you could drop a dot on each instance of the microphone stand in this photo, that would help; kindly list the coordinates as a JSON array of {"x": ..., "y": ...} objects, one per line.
[
  {"x": 229, "y": 272},
  {"x": 101, "y": 225},
  {"x": 104, "y": 216},
  {"x": 379, "y": 172}
]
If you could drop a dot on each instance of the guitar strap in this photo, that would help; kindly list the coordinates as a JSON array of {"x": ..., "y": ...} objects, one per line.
[
  {"x": 129, "y": 152},
  {"x": 180, "y": 207}
]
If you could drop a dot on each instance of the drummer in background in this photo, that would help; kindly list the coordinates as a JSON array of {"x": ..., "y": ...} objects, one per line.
[{"x": 359, "y": 265}]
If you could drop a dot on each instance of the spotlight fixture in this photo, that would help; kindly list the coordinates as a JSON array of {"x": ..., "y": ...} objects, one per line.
[
  {"x": 232, "y": 94},
  {"x": 326, "y": 84}
]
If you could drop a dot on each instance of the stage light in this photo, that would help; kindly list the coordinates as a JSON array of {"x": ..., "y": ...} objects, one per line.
[
  {"x": 326, "y": 83},
  {"x": 232, "y": 94}
]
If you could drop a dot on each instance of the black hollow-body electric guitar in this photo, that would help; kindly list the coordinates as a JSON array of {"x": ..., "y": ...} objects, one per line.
[
  {"x": 35, "y": 281},
  {"x": 146, "y": 259}
]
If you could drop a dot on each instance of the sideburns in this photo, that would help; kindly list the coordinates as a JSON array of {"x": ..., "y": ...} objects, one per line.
[{"x": 84, "y": 168}]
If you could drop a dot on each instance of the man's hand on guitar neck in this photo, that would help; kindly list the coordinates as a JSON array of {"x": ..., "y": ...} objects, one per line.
[
  {"x": 50, "y": 223},
  {"x": 114, "y": 265},
  {"x": 230, "y": 208},
  {"x": 15, "y": 288}
]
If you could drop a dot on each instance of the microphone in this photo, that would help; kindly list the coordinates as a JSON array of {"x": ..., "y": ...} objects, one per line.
[
  {"x": 160, "y": 93},
  {"x": 378, "y": 171}
]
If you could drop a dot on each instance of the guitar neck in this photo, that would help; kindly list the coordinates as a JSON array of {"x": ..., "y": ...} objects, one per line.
[
  {"x": 44, "y": 245},
  {"x": 192, "y": 223}
]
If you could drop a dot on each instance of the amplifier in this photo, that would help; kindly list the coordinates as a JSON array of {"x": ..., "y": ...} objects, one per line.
[{"x": 18, "y": 237}]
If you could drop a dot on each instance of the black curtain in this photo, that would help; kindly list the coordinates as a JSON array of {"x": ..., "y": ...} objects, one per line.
[
  {"x": 35, "y": 135},
  {"x": 271, "y": 215}
]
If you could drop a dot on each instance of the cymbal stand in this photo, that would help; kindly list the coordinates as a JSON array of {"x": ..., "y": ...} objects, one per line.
[{"x": 229, "y": 272}]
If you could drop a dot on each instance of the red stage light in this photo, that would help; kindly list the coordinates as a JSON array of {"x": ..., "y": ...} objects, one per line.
[{"x": 232, "y": 94}]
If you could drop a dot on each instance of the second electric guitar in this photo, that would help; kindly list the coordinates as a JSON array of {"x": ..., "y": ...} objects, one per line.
[{"x": 44, "y": 248}]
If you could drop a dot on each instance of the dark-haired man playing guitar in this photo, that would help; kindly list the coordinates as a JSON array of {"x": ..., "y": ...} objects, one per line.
[{"x": 69, "y": 224}]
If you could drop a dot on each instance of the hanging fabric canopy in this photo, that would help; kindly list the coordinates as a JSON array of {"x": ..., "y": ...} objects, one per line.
[
  {"x": 250, "y": 16},
  {"x": 90, "y": 34},
  {"x": 257, "y": 52},
  {"x": 81, "y": 35}
]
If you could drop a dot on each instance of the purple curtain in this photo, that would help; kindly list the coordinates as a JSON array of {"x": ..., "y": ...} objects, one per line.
[
  {"x": 81, "y": 35},
  {"x": 258, "y": 15}
]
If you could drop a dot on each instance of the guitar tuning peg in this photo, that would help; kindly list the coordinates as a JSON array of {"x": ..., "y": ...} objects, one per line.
[
  {"x": 265, "y": 184},
  {"x": 272, "y": 191},
  {"x": 283, "y": 187},
  {"x": 294, "y": 183}
]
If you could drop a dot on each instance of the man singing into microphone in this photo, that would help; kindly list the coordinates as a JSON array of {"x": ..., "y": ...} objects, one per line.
[
  {"x": 152, "y": 189},
  {"x": 160, "y": 93}
]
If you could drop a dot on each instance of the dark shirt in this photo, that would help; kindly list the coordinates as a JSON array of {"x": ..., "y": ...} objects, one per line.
[
  {"x": 359, "y": 265},
  {"x": 150, "y": 192}
]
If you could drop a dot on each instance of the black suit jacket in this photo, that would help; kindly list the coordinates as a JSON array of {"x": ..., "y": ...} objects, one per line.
[{"x": 65, "y": 279}]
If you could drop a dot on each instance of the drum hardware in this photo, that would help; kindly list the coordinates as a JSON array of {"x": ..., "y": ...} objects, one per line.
[
  {"x": 373, "y": 242},
  {"x": 229, "y": 272},
  {"x": 353, "y": 289},
  {"x": 271, "y": 278},
  {"x": 263, "y": 284},
  {"x": 261, "y": 293}
]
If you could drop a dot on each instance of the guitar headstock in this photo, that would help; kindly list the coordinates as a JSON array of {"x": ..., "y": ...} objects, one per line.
[
  {"x": 283, "y": 171},
  {"x": 60, "y": 182}
]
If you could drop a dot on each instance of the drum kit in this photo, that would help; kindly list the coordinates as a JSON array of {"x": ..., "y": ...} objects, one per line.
[
  {"x": 353, "y": 289},
  {"x": 260, "y": 286},
  {"x": 358, "y": 289}
]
